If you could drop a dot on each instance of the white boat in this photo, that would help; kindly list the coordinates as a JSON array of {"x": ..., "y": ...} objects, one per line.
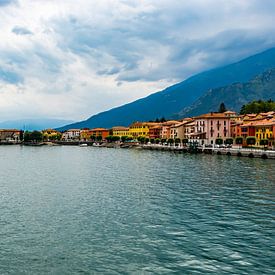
[{"x": 83, "y": 145}]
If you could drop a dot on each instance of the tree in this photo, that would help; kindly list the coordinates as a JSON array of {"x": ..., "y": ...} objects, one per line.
[
  {"x": 222, "y": 108},
  {"x": 152, "y": 140},
  {"x": 163, "y": 140},
  {"x": 34, "y": 136},
  {"x": 21, "y": 135},
  {"x": 239, "y": 140},
  {"x": 157, "y": 140},
  {"x": 219, "y": 141},
  {"x": 264, "y": 142},
  {"x": 250, "y": 140},
  {"x": 229, "y": 141},
  {"x": 27, "y": 136},
  {"x": 123, "y": 138},
  {"x": 146, "y": 140},
  {"x": 185, "y": 141},
  {"x": 109, "y": 138},
  {"x": 258, "y": 106},
  {"x": 141, "y": 139},
  {"x": 99, "y": 138},
  {"x": 170, "y": 140},
  {"x": 129, "y": 138},
  {"x": 177, "y": 140}
]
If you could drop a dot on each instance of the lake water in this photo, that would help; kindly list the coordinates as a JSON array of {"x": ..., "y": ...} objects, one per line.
[{"x": 71, "y": 210}]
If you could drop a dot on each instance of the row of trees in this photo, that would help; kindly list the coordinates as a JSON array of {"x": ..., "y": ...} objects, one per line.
[
  {"x": 240, "y": 141},
  {"x": 143, "y": 140},
  {"x": 219, "y": 141},
  {"x": 256, "y": 107},
  {"x": 34, "y": 136}
]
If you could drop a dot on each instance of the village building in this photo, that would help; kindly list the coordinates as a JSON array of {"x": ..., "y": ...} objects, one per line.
[
  {"x": 71, "y": 135},
  {"x": 141, "y": 129},
  {"x": 210, "y": 127},
  {"x": 9, "y": 135},
  {"x": 101, "y": 133},
  {"x": 51, "y": 134},
  {"x": 165, "y": 132},
  {"x": 85, "y": 134},
  {"x": 120, "y": 131}
]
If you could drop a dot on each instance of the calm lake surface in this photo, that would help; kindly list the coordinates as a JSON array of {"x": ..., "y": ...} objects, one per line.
[{"x": 70, "y": 210}]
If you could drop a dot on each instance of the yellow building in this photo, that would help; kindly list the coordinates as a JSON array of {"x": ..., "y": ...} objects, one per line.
[
  {"x": 264, "y": 129},
  {"x": 51, "y": 134},
  {"x": 120, "y": 131},
  {"x": 85, "y": 134},
  {"x": 141, "y": 129}
]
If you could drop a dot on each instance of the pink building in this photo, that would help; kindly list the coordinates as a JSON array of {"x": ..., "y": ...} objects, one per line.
[{"x": 211, "y": 126}]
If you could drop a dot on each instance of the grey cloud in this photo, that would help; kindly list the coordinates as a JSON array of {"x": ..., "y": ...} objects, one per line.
[
  {"x": 21, "y": 31},
  {"x": 132, "y": 40}
]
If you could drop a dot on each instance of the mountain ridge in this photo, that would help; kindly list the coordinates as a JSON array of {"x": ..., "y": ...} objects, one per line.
[
  {"x": 174, "y": 99},
  {"x": 234, "y": 96}
]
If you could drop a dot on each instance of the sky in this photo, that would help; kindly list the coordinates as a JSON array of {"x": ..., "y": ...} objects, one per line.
[{"x": 72, "y": 59}]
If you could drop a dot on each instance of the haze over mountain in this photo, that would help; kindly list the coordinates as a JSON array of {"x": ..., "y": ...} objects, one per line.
[
  {"x": 234, "y": 96},
  {"x": 33, "y": 124},
  {"x": 174, "y": 99}
]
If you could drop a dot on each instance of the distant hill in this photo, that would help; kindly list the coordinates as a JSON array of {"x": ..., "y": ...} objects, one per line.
[
  {"x": 33, "y": 124},
  {"x": 174, "y": 99},
  {"x": 234, "y": 96}
]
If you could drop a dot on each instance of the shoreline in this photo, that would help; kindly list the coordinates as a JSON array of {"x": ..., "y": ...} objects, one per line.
[{"x": 239, "y": 152}]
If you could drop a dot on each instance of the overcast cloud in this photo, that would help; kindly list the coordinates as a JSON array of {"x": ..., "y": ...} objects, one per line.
[{"x": 72, "y": 59}]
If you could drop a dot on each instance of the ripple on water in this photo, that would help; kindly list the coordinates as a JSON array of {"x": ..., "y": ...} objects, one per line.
[{"x": 67, "y": 210}]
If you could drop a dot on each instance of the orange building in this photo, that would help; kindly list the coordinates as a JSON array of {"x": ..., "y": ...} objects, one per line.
[
  {"x": 85, "y": 134},
  {"x": 154, "y": 132},
  {"x": 97, "y": 132}
]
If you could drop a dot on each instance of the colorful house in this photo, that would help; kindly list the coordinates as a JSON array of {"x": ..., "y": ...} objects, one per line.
[
  {"x": 51, "y": 134},
  {"x": 141, "y": 129},
  {"x": 85, "y": 134},
  {"x": 71, "y": 135},
  {"x": 100, "y": 132},
  {"x": 165, "y": 132},
  {"x": 178, "y": 130},
  {"x": 9, "y": 135},
  {"x": 212, "y": 126},
  {"x": 265, "y": 130},
  {"x": 154, "y": 132},
  {"x": 120, "y": 131}
]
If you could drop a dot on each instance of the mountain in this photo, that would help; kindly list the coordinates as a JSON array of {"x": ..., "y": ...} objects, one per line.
[
  {"x": 234, "y": 96},
  {"x": 174, "y": 99},
  {"x": 33, "y": 124}
]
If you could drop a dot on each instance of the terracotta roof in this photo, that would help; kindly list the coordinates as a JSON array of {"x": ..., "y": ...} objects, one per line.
[
  {"x": 170, "y": 122},
  {"x": 99, "y": 129},
  {"x": 265, "y": 122},
  {"x": 156, "y": 127},
  {"x": 9, "y": 130},
  {"x": 212, "y": 115},
  {"x": 144, "y": 124}
]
